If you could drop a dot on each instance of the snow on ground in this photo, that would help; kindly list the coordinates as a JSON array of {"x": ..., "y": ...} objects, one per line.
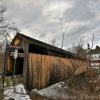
[
  {"x": 54, "y": 91},
  {"x": 17, "y": 93}
]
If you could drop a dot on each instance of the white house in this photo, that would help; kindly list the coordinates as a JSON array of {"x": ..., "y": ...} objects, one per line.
[{"x": 95, "y": 58}]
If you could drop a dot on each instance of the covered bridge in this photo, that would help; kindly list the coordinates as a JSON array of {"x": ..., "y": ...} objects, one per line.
[{"x": 40, "y": 63}]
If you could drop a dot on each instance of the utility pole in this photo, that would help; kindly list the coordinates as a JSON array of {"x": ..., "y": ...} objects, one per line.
[
  {"x": 15, "y": 59},
  {"x": 5, "y": 64}
]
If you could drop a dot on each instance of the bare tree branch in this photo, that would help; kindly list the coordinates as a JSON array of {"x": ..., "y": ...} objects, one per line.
[
  {"x": 61, "y": 33},
  {"x": 6, "y": 24},
  {"x": 92, "y": 42}
]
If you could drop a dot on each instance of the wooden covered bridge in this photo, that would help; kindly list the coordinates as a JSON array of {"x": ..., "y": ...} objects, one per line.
[{"x": 41, "y": 64}]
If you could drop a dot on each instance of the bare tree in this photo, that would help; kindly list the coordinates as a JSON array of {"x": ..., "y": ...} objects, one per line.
[
  {"x": 5, "y": 25},
  {"x": 63, "y": 32},
  {"x": 89, "y": 49},
  {"x": 79, "y": 52}
]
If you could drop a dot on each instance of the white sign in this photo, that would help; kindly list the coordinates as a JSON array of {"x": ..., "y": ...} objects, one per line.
[{"x": 15, "y": 53}]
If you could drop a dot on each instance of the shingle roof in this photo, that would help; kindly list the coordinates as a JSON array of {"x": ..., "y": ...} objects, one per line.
[{"x": 52, "y": 48}]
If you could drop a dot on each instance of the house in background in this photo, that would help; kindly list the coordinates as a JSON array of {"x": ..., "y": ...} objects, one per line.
[{"x": 95, "y": 58}]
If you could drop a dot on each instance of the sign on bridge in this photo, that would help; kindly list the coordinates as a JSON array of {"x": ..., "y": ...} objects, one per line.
[{"x": 15, "y": 53}]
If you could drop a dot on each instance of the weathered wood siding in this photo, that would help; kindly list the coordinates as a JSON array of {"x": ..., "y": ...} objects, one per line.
[
  {"x": 10, "y": 64},
  {"x": 44, "y": 70}
]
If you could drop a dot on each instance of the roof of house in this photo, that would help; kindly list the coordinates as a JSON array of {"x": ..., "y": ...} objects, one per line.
[
  {"x": 96, "y": 50},
  {"x": 53, "y": 49}
]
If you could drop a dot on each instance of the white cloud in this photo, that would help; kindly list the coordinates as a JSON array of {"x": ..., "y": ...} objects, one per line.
[
  {"x": 40, "y": 19},
  {"x": 56, "y": 9}
]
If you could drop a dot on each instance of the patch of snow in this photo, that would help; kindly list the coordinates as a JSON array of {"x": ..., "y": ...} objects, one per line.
[
  {"x": 20, "y": 89},
  {"x": 17, "y": 93},
  {"x": 60, "y": 84},
  {"x": 55, "y": 90}
]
